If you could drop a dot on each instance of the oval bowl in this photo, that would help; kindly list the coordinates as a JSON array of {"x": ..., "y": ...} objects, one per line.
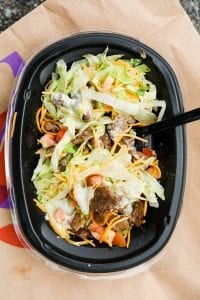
[{"x": 21, "y": 160}]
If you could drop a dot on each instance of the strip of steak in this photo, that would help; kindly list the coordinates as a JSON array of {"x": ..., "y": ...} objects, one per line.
[
  {"x": 103, "y": 202},
  {"x": 87, "y": 133},
  {"x": 77, "y": 222},
  {"x": 137, "y": 214},
  {"x": 107, "y": 142},
  {"x": 49, "y": 126},
  {"x": 119, "y": 125}
]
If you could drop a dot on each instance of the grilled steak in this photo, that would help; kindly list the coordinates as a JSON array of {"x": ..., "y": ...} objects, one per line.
[
  {"x": 137, "y": 214},
  {"x": 49, "y": 126},
  {"x": 103, "y": 202},
  {"x": 86, "y": 134}
]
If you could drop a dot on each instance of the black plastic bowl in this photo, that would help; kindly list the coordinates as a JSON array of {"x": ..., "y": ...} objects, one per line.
[{"x": 170, "y": 147}]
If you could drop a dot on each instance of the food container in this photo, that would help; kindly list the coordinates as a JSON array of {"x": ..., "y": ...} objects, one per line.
[{"x": 21, "y": 145}]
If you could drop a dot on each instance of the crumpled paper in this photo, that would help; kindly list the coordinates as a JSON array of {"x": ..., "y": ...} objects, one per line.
[{"x": 164, "y": 26}]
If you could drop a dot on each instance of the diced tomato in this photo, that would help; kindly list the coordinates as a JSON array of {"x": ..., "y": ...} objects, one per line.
[
  {"x": 148, "y": 151},
  {"x": 119, "y": 240},
  {"x": 47, "y": 140},
  {"x": 154, "y": 171},
  {"x": 60, "y": 134},
  {"x": 95, "y": 179},
  {"x": 150, "y": 170},
  {"x": 96, "y": 228},
  {"x": 60, "y": 215},
  {"x": 51, "y": 136}
]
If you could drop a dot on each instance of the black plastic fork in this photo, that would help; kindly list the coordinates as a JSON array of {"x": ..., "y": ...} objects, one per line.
[{"x": 183, "y": 118}]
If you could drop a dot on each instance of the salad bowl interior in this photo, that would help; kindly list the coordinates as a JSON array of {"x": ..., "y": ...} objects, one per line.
[{"x": 170, "y": 147}]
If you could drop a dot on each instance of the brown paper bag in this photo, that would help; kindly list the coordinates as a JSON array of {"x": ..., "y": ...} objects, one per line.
[{"x": 164, "y": 26}]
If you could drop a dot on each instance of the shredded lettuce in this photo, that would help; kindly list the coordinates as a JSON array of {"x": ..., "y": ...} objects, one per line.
[
  {"x": 50, "y": 107},
  {"x": 56, "y": 156},
  {"x": 38, "y": 167},
  {"x": 115, "y": 171},
  {"x": 142, "y": 68},
  {"x": 135, "y": 62},
  {"x": 62, "y": 99},
  {"x": 154, "y": 184},
  {"x": 100, "y": 130},
  {"x": 61, "y": 195},
  {"x": 42, "y": 185},
  {"x": 70, "y": 148},
  {"x": 92, "y": 59},
  {"x": 130, "y": 189},
  {"x": 80, "y": 80},
  {"x": 61, "y": 70},
  {"x": 135, "y": 109},
  {"x": 83, "y": 196},
  {"x": 62, "y": 204}
]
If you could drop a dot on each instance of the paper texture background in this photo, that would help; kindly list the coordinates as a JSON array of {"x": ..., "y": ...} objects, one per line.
[{"x": 164, "y": 26}]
